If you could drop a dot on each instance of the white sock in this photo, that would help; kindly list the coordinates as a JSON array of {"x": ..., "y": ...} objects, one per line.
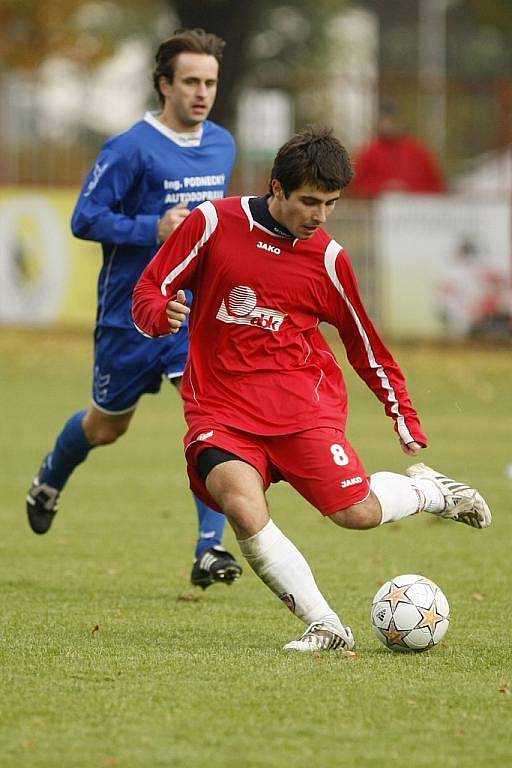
[
  {"x": 400, "y": 496},
  {"x": 280, "y": 565},
  {"x": 434, "y": 499}
]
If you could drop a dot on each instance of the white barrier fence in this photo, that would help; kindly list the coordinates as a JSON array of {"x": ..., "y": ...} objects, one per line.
[{"x": 432, "y": 267}]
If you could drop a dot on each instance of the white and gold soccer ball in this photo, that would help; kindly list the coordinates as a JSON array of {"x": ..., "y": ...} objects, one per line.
[{"x": 410, "y": 613}]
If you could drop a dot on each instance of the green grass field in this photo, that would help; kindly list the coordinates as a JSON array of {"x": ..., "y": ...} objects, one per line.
[{"x": 109, "y": 658}]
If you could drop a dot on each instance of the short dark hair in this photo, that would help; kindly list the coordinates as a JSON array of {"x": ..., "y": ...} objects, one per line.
[
  {"x": 184, "y": 41},
  {"x": 312, "y": 156}
]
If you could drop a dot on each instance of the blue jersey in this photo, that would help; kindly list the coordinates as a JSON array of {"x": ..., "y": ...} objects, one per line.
[{"x": 139, "y": 174}]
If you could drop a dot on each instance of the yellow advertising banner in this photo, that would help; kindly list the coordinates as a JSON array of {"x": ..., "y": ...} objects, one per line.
[{"x": 47, "y": 276}]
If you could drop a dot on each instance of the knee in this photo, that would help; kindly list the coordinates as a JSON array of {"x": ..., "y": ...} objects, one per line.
[
  {"x": 246, "y": 515},
  {"x": 347, "y": 518},
  {"x": 366, "y": 514},
  {"x": 233, "y": 500}
]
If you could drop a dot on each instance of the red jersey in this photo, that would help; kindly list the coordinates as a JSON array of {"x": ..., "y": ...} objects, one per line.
[
  {"x": 257, "y": 359},
  {"x": 402, "y": 164}
]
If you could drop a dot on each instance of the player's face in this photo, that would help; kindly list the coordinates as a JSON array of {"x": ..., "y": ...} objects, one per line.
[
  {"x": 304, "y": 210},
  {"x": 190, "y": 96}
]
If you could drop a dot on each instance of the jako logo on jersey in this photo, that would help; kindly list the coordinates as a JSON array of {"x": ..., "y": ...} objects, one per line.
[
  {"x": 241, "y": 307},
  {"x": 351, "y": 481},
  {"x": 205, "y": 435},
  {"x": 267, "y": 247}
]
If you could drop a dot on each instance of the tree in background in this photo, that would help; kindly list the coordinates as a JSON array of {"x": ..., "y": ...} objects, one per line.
[
  {"x": 477, "y": 64},
  {"x": 271, "y": 43},
  {"x": 83, "y": 31}
]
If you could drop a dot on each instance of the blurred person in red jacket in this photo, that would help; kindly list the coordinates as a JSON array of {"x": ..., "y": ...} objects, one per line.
[{"x": 395, "y": 161}]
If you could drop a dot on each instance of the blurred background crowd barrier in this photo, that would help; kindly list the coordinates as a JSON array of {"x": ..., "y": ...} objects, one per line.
[{"x": 430, "y": 266}]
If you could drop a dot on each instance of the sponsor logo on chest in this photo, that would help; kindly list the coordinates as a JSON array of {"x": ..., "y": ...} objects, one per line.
[
  {"x": 241, "y": 307},
  {"x": 268, "y": 247}
]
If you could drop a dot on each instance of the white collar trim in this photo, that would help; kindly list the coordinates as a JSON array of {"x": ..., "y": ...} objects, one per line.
[{"x": 189, "y": 139}]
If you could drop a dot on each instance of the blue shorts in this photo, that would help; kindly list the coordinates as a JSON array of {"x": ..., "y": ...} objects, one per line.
[{"x": 128, "y": 365}]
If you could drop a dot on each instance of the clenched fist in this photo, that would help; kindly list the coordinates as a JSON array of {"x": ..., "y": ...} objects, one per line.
[
  {"x": 171, "y": 220},
  {"x": 177, "y": 311}
]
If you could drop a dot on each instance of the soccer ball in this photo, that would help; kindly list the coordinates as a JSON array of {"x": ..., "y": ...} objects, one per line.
[{"x": 410, "y": 613}]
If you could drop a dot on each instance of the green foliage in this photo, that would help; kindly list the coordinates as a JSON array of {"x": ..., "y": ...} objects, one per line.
[
  {"x": 272, "y": 43},
  {"x": 492, "y": 13},
  {"x": 268, "y": 39},
  {"x": 83, "y": 31},
  {"x": 109, "y": 658},
  {"x": 477, "y": 36}
]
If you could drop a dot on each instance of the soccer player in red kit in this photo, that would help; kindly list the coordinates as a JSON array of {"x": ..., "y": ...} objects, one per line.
[{"x": 264, "y": 396}]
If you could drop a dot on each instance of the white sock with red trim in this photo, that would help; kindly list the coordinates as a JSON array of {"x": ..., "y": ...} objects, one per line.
[
  {"x": 400, "y": 496},
  {"x": 280, "y": 565}
]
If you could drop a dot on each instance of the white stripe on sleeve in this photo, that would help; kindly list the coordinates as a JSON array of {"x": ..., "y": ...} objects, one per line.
[
  {"x": 331, "y": 254},
  {"x": 211, "y": 220}
]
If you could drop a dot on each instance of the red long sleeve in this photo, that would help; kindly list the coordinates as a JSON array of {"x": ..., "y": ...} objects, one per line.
[{"x": 171, "y": 268}]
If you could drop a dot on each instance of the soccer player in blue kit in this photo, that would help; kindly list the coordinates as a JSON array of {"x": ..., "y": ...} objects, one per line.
[{"x": 144, "y": 183}]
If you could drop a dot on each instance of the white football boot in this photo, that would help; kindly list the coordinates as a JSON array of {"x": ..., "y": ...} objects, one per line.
[
  {"x": 321, "y": 636},
  {"x": 461, "y": 503}
]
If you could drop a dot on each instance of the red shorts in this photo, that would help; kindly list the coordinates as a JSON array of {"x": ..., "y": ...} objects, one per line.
[{"x": 319, "y": 463}]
